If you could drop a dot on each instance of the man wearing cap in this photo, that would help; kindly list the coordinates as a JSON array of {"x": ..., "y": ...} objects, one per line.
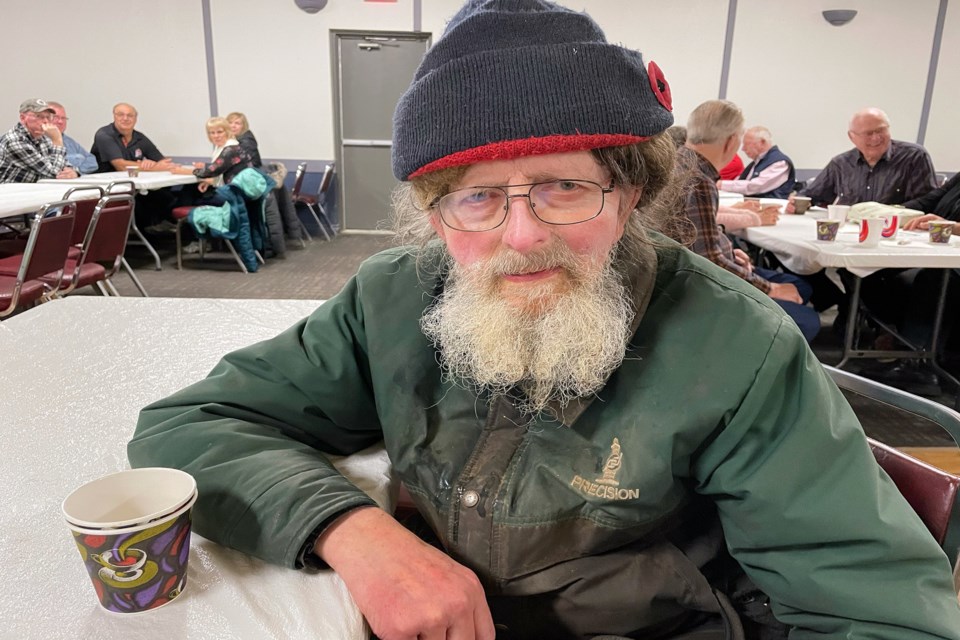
[
  {"x": 586, "y": 414},
  {"x": 33, "y": 148}
]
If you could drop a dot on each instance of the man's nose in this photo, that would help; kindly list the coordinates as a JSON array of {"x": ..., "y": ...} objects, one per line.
[{"x": 524, "y": 231}]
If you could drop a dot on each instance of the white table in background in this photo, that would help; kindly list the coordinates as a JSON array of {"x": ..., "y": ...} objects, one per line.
[
  {"x": 793, "y": 241},
  {"x": 144, "y": 182},
  {"x": 19, "y": 198},
  {"x": 75, "y": 374}
]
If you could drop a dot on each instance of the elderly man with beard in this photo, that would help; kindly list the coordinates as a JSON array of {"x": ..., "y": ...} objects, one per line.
[{"x": 587, "y": 415}]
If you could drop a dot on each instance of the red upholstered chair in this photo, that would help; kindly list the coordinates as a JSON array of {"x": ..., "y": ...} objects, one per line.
[
  {"x": 933, "y": 494},
  {"x": 101, "y": 252},
  {"x": 314, "y": 204},
  {"x": 45, "y": 253}
]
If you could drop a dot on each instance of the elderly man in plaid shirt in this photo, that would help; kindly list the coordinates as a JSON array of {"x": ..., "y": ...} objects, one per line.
[
  {"x": 33, "y": 149},
  {"x": 714, "y": 132}
]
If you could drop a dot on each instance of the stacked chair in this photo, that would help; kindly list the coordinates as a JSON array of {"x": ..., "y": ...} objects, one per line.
[{"x": 35, "y": 274}]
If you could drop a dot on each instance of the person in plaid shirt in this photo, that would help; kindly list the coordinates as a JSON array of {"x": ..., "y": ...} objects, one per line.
[
  {"x": 33, "y": 149},
  {"x": 714, "y": 132}
]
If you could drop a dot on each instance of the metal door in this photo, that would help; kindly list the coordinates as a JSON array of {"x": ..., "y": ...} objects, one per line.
[{"x": 371, "y": 71}]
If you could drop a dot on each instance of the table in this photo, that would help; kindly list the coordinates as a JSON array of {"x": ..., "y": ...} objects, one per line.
[
  {"x": 18, "y": 198},
  {"x": 144, "y": 182},
  {"x": 793, "y": 241},
  {"x": 75, "y": 374}
]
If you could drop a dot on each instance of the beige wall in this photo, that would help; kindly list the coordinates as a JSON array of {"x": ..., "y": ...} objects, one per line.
[{"x": 789, "y": 69}]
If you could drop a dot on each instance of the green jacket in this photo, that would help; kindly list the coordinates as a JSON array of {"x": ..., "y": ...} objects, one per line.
[{"x": 602, "y": 520}]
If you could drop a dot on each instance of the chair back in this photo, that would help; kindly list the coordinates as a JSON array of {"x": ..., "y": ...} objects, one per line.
[
  {"x": 931, "y": 492},
  {"x": 934, "y": 494},
  {"x": 84, "y": 212},
  {"x": 121, "y": 186},
  {"x": 107, "y": 236},
  {"x": 325, "y": 182},
  {"x": 49, "y": 241},
  {"x": 298, "y": 180}
]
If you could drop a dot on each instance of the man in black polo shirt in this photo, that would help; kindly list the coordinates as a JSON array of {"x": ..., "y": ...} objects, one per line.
[{"x": 118, "y": 146}]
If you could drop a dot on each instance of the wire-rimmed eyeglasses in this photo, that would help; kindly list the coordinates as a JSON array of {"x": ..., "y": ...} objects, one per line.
[{"x": 558, "y": 202}]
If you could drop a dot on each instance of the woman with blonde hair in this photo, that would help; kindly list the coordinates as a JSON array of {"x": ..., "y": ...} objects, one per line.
[
  {"x": 228, "y": 158},
  {"x": 240, "y": 128}
]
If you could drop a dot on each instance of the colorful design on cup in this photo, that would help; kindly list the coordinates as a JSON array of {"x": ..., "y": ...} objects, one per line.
[
  {"x": 140, "y": 570},
  {"x": 940, "y": 231},
  {"x": 827, "y": 230},
  {"x": 891, "y": 224}
]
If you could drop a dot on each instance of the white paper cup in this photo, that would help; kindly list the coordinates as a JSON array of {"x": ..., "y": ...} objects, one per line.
[
  {"x": 128, "y": 498},
  {"x": 871, "y": 230},
  {"x": 838, "y": 212}
]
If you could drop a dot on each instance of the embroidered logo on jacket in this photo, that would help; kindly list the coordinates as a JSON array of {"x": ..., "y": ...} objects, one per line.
[{"x": 607, "y": 485}]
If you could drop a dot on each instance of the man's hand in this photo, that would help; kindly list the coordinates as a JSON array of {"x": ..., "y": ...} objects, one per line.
[
  {"x": 66, "y": 173},
  {"x": 51, "y": 131},
  {"x": 769, "y": 214},
  {"x": 749, "y": 205},
  {"x": 922, "y": 222},
  {"x": 405, "y": 588},
  {"x": 147, "y": 164},
  {"x": 785, "y": 291},
  {"x": 743, "y": 260}
]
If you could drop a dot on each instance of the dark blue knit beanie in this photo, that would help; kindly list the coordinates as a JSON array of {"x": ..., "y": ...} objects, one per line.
[{"x": 513, "y": 78}]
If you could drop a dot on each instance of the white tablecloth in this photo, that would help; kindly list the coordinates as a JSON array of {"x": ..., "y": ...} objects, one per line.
[
  {"x": 74, "y": 373},
  {"x": 146, "y": 181},
  {"x": 17, "y": 198},
  {"x": 794, "y": 241}
]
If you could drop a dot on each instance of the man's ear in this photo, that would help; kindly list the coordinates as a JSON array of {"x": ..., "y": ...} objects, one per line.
[{"x": 438, "y": 225}]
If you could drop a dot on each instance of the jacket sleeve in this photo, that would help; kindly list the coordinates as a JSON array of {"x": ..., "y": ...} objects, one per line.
[
  {"x": 814, "y": 521},
  {"x": 254, "y": 431}
]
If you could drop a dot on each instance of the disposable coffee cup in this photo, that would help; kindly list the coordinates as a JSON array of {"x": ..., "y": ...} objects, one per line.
[
  {"x": 132, "y": 530},
  {"x": 801, "y": 204},
  {"x": 133, "y": 172},
  {"x": 838, "y": 212},
  {"x": 940, "y": 231},
  {"x": 871, "y": 230},
  {"x": 827, "y": 230}
]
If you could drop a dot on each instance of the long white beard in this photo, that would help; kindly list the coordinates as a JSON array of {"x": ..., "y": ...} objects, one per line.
[{"x": 559, "y": 344}]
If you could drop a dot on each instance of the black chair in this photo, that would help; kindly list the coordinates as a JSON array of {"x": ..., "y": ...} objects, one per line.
[{"x": 314, "y": 204}]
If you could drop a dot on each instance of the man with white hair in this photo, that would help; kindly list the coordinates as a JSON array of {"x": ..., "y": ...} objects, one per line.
[
  {"x": 586, "y": 414},
  {"x": 877, "y": 169},
  {"x": 770, "y": 173}
]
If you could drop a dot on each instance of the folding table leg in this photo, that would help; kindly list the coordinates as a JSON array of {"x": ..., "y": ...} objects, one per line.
[
  {"x": 143, "y": 240},
  {"x": 112, "y": 289}
]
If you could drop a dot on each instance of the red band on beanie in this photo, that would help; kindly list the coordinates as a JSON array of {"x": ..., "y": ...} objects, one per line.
[{"x": 509, "y": 149}]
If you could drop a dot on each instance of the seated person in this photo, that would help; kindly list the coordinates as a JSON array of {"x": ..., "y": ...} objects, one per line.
[
  {"x": 228, "y": 159},
  {"x": 33, "y": 148},
  {"x": 119, "y": 146},
  {"x": 78, "y": 157},
  {"x": 732, "y": 169},
  {"x": 770, "y": 173},
  {"x": 240, "y": 129},
  {"x": 595, "y": 423},
  {"x": 713, "y": 135}
]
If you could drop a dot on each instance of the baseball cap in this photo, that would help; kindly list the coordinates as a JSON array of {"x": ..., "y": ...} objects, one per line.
[{"x": 34, "y": 105}]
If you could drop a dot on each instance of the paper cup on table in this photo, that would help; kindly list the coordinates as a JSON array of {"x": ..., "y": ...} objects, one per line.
[
  {"x": 891, "y": 224},
  {"x": 838, "y": 212},
  {"x": 801, "y": 204},
  {"x": 940, "y": 231},
  {"x": 133, "y": 172},
  {"x": 827, "y": 230},
  {"x": 132, "y": 530},
  {"x": 871, "y": 230}
]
